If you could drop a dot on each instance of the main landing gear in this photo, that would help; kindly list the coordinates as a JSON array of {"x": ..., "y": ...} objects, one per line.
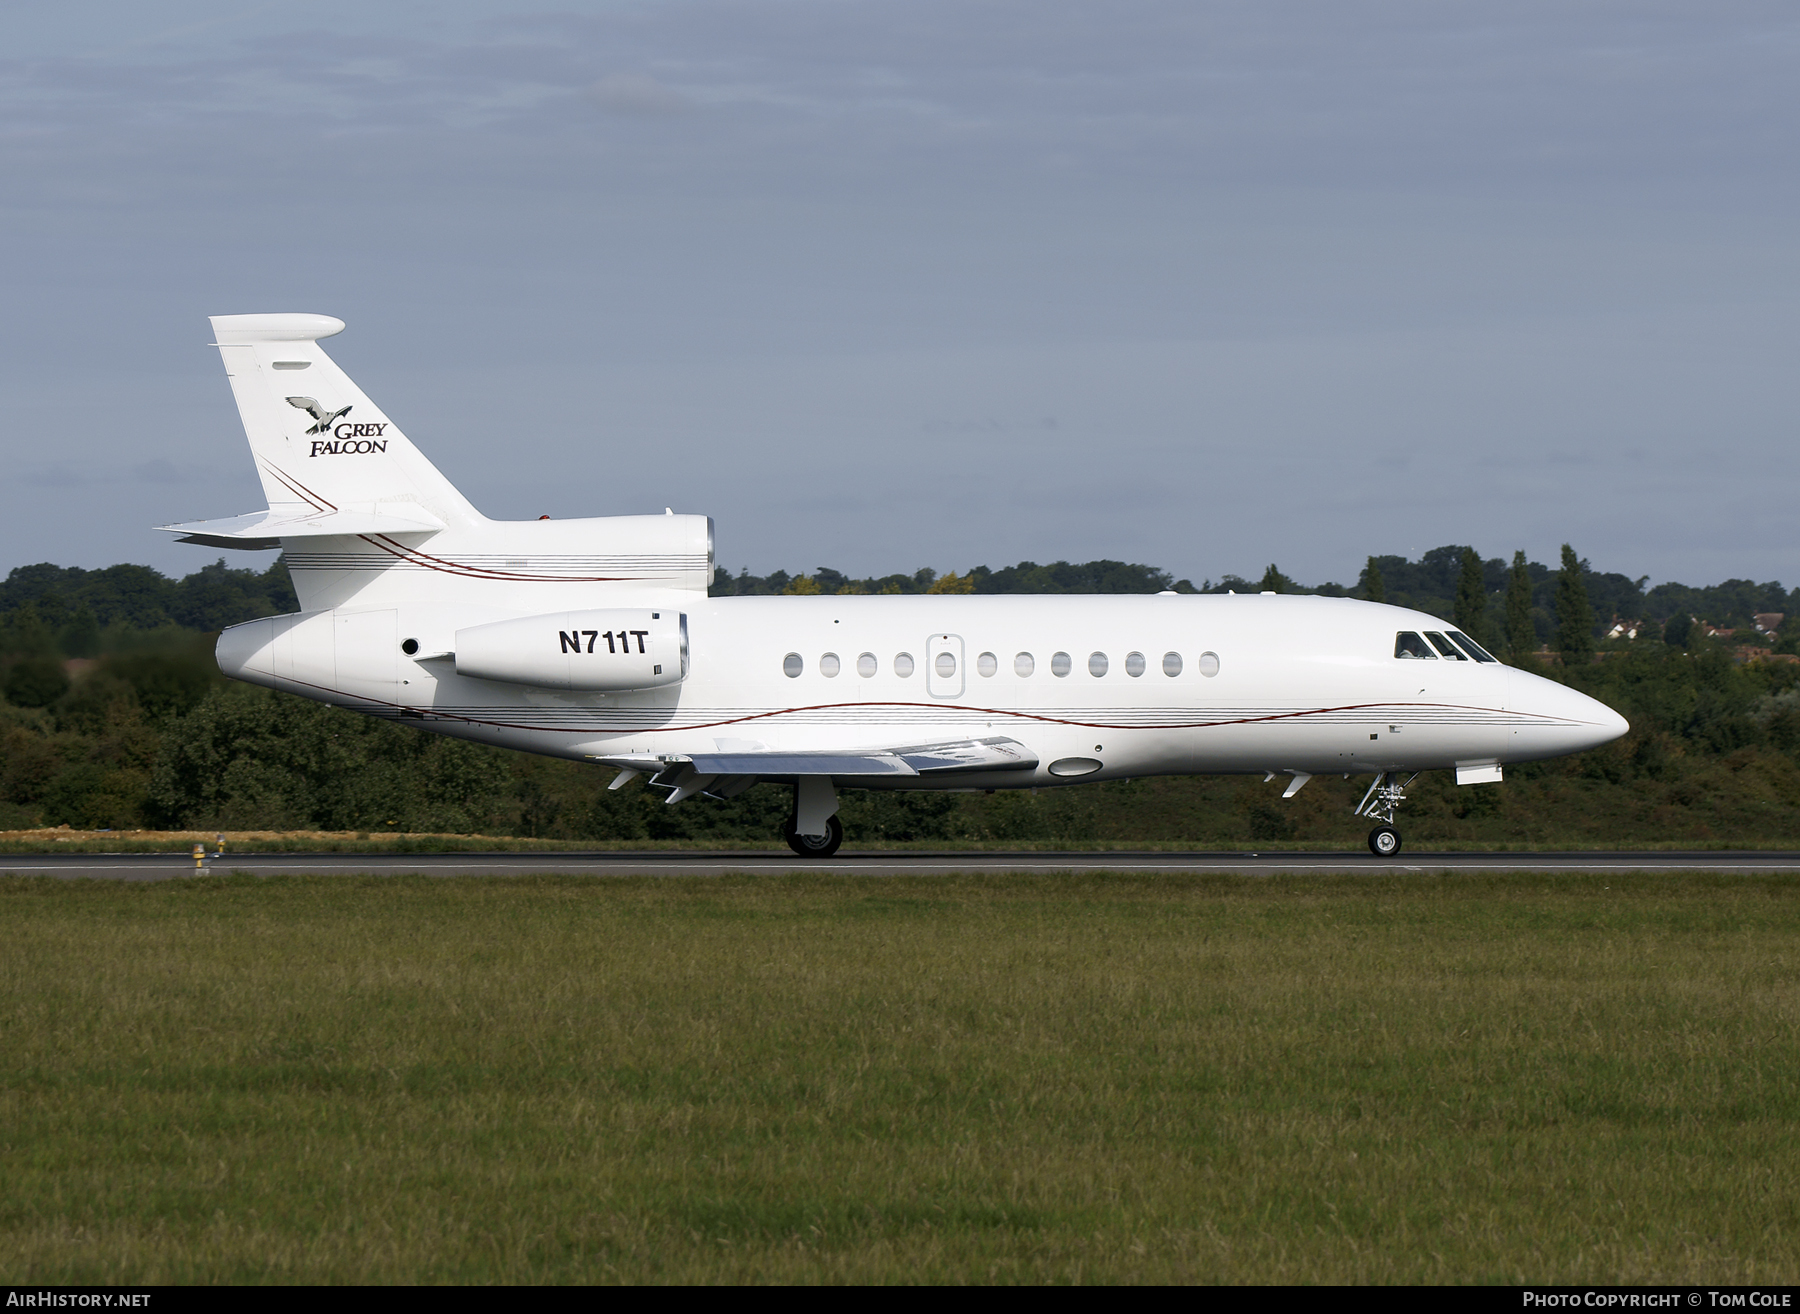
[
  {"x": 1386, "y": 793},
  {"x": 815, "y": 846},
  {"x": 814, "y": 830}
]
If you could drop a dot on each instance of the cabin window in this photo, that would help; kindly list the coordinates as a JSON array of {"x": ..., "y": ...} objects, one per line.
[
  {"x": 828, "y": 665},
  {"x": 1023, "y": 664},
  {"x": 1060, "y": 665},
  {"x": 946, "y": 665},
  {"x": 1444, "y": 646},
  {"x": 1096, "y": 664},
  {"x": 1134, "y": 664},
  {"x": 1171, "y": 664},
  {"x": 903, "y": 664},
  {"x": 866, "y": 664},
  {"x": 1474, "y": 649},
  {"x": 792, "y": 665},
  {"x": 1408, "y": 644},
  {"x": 1208, "y": 664},
  {"x": 987, "y": 663}
]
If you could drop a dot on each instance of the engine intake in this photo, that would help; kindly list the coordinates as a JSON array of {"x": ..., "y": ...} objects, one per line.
[{"x": 617, "y": 649}]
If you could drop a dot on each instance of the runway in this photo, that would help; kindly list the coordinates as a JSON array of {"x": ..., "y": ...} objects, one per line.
[{"x": 175, "y": 866}]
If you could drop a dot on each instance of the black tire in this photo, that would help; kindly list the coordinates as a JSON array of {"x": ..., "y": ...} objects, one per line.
[
  {"x": 814, "y": 846},
  {"x": 1384, "y": 841}
]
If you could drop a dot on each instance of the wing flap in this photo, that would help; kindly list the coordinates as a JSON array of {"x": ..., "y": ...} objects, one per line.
[
  {"x": 995, "y": 754},
  {"x": 801, "y": 764},
  {"x": 954, "y": 756}
]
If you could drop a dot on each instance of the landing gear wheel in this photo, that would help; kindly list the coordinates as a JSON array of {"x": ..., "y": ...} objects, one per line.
[
  {"x": 815, "y": 846},
  {"x": 1384, "y": 841}
]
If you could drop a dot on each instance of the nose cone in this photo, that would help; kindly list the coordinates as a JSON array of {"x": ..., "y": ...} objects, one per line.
[
  {"x": 1551, "y": 719},
  {"x": 1608, "y": 724}
]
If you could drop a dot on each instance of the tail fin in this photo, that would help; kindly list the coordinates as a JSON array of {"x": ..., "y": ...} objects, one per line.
[{"x": 320, "y": 444}]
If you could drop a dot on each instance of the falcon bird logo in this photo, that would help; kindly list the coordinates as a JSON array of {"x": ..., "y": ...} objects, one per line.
[{"x": 325, "y": 418}]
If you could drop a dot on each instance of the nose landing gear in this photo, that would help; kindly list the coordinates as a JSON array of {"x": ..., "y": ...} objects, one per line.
[{"x": 1386, "y": 793}]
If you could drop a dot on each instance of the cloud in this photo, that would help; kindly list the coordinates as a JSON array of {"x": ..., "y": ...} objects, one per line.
[
  {"x": 87, "y": 474},
  {"x": 634, "y": 93},
  {"x": 159, "y": 471},
  {"x": 59, "y": 474},
  {"x": 1429, "y": 236}
]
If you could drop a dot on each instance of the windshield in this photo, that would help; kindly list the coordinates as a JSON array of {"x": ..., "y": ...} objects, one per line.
[
  {"x": 1474, "y": 649},
  {"x": 1444, "y": 646},
  {"x": 1408, "y": 644}
]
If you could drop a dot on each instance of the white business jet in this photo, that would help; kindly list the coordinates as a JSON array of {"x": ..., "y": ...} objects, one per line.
[{"x": 595, "y": 640}]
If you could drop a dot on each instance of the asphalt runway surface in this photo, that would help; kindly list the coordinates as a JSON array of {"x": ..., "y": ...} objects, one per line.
[{"x": 172, "y": 866}]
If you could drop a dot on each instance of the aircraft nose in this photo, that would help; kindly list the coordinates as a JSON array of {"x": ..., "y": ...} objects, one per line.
[
  {"x": 1556, "y": 720},
  {"x": 1589, "y": 723},
  {"x": 1608, "y": 724}
]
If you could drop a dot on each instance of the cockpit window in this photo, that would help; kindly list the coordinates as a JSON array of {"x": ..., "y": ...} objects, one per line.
[
  {"x": 1444, "y": 646},
  {"x": 1408, "y": 644},
  {"x": 1474, "y": 649}
]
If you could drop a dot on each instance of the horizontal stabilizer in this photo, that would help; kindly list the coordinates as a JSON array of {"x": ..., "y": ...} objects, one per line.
[{"x": 266, "y": 529}]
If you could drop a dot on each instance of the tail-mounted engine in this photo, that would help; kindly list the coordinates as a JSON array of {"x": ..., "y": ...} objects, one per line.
[{"x": 616, "y": 649}]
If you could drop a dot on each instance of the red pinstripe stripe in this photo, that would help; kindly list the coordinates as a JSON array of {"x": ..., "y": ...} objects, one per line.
[
  {"x": 300, "y": 490},
  {"x": 413, "y": 555},
  {"x": 441, "y": 714}
]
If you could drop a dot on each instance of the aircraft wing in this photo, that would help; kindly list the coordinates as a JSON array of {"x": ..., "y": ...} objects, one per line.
[
  {"x": 996, "y": 754},
  {"x": 801, "y": 764},
  {"x": 961, "y": 755},
  {"x": 265, "y": 529}
]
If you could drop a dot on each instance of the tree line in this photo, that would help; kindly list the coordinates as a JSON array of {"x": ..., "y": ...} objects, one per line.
[
  {"x": 1512, "y": 606},
  {"x": 113, "y": 714}
]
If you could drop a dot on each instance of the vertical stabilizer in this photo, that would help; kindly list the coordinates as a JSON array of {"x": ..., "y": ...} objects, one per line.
[{"x": 320, "y": 444}]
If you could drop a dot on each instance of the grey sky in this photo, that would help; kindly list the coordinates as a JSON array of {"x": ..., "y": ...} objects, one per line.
[{"x": 890, "y": 285}]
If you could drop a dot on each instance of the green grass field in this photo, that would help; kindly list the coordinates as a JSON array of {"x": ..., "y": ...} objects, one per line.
[{"x": 1078, "y": 1078}]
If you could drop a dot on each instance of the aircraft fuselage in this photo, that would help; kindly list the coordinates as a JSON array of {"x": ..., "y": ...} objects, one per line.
[{"x": 1113, "y": 686}]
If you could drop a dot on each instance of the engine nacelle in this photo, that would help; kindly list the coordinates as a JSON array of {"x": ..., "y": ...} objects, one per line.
[{"x": 615, "y": 649}]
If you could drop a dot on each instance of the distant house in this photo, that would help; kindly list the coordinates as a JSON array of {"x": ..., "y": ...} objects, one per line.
[
  {"x": 1767, "y": 622},
  {"x": 1624, "y": 629},
  {"x": 1748, "y": 653}
]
